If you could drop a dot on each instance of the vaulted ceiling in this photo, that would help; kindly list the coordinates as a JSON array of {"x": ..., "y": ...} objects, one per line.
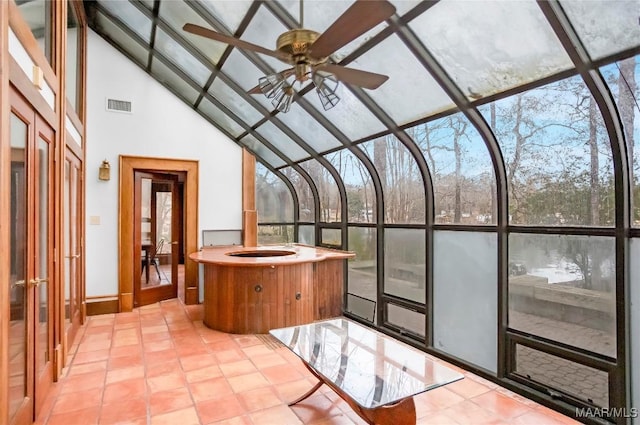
[{"x": 441, "y": 57}]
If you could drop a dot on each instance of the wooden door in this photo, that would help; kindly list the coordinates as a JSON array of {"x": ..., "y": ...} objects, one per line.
[
  {"x": 72, "y": 247},
  {"x": 31, "y": 271},
  {"x": 157, "y": 225}
]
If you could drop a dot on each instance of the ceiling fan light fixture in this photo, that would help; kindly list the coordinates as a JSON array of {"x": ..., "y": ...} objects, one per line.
[
  {"x": 283, "y": 98},
  {"x": 326, "y": 86},
  {"x": 270, "y": 85}
]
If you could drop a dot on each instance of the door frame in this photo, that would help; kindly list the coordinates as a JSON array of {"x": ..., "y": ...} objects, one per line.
[{"x": 126, "y": 246}]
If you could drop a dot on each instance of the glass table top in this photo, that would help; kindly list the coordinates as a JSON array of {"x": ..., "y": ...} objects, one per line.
[{"x": 371, "y": 368}]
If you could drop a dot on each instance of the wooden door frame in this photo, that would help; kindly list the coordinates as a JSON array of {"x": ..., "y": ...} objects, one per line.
[{"x": 128, "y": 165}]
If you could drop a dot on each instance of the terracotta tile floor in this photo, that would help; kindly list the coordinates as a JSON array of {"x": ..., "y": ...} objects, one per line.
[{"x": 160, "y": 365}]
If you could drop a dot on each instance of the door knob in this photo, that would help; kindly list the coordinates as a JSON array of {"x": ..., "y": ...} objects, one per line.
[
  {"x": 37, "y": 281},
  {"x": 19, "y": 283}
]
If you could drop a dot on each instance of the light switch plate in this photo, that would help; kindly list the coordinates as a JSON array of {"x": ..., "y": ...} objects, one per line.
[{"x": 94, "y": 219}]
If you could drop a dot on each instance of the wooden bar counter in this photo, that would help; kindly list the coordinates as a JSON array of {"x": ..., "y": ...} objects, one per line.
[{"x": 255, "y": 289}]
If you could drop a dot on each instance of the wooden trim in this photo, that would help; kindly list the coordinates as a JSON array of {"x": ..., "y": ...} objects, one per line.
[
  {"x": 248, "y": 180},
  {"x": 249, "y": 213},
  {"x": 30, "y": 44},
  {"x": 250, "y": 228},
  {"x": 5, "y": 190},
  {"x": 26, "y": 88},
  {"x": 75, "y": 119},
  {"x": 102, "y": 305},
  {"x": 128, "y": 164}
]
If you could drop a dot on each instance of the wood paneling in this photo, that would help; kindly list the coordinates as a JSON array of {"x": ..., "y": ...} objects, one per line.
[
  {"x": 125, "y": 217},
  {"x": 328, "y": 289},
  {"x": 256, "y": 299}
]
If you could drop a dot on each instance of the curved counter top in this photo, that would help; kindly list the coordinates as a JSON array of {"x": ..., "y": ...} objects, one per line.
[
  {"x": 296, "y": 254},
  {"x": 249, "y": 290}
]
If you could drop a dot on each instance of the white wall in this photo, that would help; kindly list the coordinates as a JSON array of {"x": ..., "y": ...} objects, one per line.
[{"x": 161, "y": 126}]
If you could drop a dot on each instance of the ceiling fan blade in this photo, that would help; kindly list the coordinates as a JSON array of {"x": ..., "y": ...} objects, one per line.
[
  {"x": 255, "y": 90},
  {"x": 355, "y": 21},
  {"x": 368, "y": 80},
  {"x": 205, "y": 32}
]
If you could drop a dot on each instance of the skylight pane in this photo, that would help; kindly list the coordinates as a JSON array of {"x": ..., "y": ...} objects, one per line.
[
  {"x": 281, "y": 141},
  {"x": 349, "y": 115},
  {"x": 262, "y": 151},
  {"x": 410, "y": 92},
  {"x": 176, "y": 14},
  {"x": 181, "y": 57},
  {"x": 118, "y": 36},
  {"x": 243, "y": 72},
  {"x": 310, "y": 130},
  {"x": 167, "y": 77},
  {"x": 264, "y": 30},
  {"x": 130, "y": 16},
  {"x": 491, "y": 46},
  {"x": 230, "y": 13},
  {"x": 605, "y": 26},
  {"x": 220, "y": 118},
  {"x": 319, "y": 15},
  {"x": 236, "y": 104}
]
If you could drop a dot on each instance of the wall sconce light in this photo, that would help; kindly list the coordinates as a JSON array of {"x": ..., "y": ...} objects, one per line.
[{"x": 105, "y": 171}]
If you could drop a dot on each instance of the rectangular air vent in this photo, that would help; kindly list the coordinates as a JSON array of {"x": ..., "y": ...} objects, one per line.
[{"x": 115, "y": 105}]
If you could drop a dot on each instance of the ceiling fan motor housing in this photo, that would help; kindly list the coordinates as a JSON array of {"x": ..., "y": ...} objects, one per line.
[{"x": 296, "y": 42}]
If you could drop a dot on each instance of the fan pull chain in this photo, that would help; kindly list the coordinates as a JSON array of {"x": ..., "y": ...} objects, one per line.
[{"x": 301, "y": 15}]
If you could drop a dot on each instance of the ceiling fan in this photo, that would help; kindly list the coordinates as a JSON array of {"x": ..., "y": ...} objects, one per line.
[{"x": 308, "y": 52}]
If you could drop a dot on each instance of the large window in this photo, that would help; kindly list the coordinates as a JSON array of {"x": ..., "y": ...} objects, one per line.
[
  {"x": 330, "y": 203},
  {"x": 461, "y": 170},
  {"x": 274, "y": 204},
  {"x": 558, "y": 156},
  {"x": 361, "y": 197}
]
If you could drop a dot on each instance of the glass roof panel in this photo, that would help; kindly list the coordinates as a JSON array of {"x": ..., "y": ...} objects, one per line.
[
  {"x": 410, "y": 92},
  {"x": 361, "y": 196},
  {"x": 310, "y": 130},
  {"x": 461, "y": 170},
  {"x": 303, "y": 190},
  {"x": 166, "y": 76},
  {"x": 220, "y": 118},
  {"x": 281, "y": 141},
  {"x": 120, "y": 38},
  {"x": 181, "y": 57},
  {"x": 319, "y": 15},
  {"x": 350, "y": 116},
  {"x": 230, "y": 13},
  {"x": 404, "y": 6},
  {"x": 242, "y": 71},
  {"x": 264, "y": 30},
  {"x": 330, "y": 203},
  {"x": 236, "y": 104},
  {"x": 557, "y": 154},
  {"x": 501, "y": 45},
  {"x": 177, "y": 13},
  {"x": 605, "y": 26},
  {"x": 130, "y": 16},
  {"x": 402, "y": 183},
  {"x": 262, "y": 151}
]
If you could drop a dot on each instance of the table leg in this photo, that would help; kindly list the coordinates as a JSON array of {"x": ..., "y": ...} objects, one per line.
[
  {"x": 308, "y": 393},
  {"x": 400, "y": 413}
]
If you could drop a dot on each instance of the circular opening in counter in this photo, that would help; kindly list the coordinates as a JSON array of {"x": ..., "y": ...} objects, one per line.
[{"x": 260, "y": 253}]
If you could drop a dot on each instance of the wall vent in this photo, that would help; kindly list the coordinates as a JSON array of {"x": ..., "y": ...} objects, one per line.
[{"x": 115, "y": 105}]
